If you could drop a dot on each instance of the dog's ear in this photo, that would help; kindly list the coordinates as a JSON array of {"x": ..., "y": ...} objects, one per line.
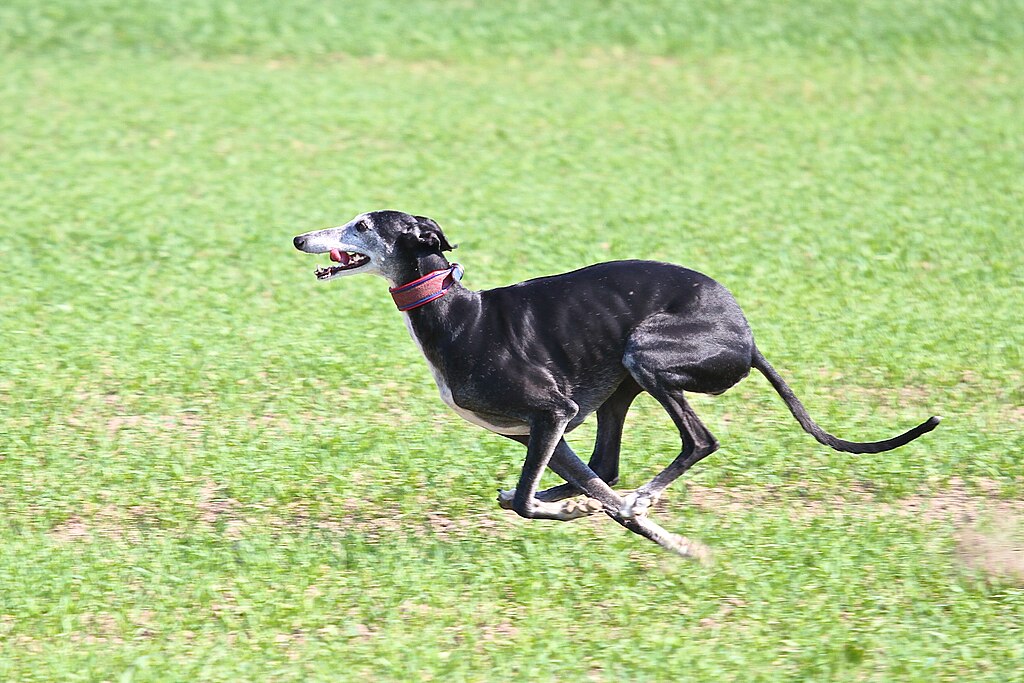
[{"x": 429, "y": 234}]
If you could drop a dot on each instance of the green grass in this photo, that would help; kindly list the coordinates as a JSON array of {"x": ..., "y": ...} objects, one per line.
[
  {"x": 214, "y": 468},
  {"x": 443, "y": 29}
]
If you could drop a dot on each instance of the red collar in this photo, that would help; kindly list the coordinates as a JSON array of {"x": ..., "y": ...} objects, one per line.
[{"x": 423, "y": 290}]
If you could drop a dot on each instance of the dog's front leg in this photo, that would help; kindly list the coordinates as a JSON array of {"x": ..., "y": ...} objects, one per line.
[
  {"x": 568, "y": 465},
  {"x": 546, "y": 430},
  {"x": 559, "y": 508},
  {"x": 605, "y": 459}
]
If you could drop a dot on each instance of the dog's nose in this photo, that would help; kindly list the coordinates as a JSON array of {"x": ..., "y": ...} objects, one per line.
[{"x": 299, "y": 242}]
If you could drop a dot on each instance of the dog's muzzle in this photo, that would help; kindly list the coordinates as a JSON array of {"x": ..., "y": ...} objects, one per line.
[{"x": 348, "y": 260}]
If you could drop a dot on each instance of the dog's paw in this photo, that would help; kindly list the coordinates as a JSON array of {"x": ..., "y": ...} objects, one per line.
[
  {"x": 584, "y": 507},
  {"x": 564, "y": 511},
  {"x": 567, "y": 510},
  {"x": 505, "y": 498},
  {"x": 636, "y": 504}
]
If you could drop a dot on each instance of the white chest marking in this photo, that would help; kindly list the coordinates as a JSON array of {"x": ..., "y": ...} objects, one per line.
[{"x": 446, "y": 393}]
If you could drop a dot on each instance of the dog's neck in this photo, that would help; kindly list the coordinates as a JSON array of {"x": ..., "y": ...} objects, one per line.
[{"x": 436, "y": 317}]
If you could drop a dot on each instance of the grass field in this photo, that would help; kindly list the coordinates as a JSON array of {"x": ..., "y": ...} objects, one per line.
[{"x": 214, "y": 468}]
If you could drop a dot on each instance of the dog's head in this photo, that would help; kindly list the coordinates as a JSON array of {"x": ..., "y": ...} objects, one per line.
[{"x": 385, "y": 243}]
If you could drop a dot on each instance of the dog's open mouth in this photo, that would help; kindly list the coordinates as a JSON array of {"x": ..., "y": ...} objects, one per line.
[{"x": 349, "y": 260}]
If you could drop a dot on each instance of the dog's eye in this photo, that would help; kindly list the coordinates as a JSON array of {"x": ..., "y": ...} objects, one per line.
[{"x": 361, "y": 226}]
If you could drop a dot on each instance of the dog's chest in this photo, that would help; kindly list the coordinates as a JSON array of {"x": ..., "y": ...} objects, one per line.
[{"x": 449, "y": 399}]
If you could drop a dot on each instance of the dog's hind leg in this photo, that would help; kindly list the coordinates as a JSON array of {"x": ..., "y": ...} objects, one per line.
[
  {"x": 698, "y": 443},
  {"x": 668, "y": 356}
]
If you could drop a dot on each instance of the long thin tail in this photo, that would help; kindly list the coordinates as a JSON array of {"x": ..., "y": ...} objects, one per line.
[{"x": 823, "y": 437}]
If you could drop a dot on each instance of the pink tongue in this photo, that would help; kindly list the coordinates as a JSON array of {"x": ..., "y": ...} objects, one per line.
[{"x": 339, "y": 256}]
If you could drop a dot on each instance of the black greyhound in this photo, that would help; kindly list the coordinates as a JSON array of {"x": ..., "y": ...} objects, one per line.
[{"x": 531, "y": 361}]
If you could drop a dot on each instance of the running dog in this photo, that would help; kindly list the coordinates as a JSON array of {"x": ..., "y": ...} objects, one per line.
[{"x": 533, "y": 360}]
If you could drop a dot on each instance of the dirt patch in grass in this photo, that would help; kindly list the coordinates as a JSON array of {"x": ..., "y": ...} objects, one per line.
[
  {"x": 997, "y": 552},
  {"x": 959, "y": 502},
  {"x": 448, "y": 527},
  {"x": 71, "y": 529},
  {"x": 214, "y": 511},
  {"x": 98, "y": 627},
  {"x": 211, "y": 505},
  {"x": 214, "y": 508},
  {"x": 972, "y": 509},
  {"x": 188, "y": 423},
  {"x": 907, "y": 397},
  {"x": 106, "y": 521},
  {"x": 116, "y": 414}
]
